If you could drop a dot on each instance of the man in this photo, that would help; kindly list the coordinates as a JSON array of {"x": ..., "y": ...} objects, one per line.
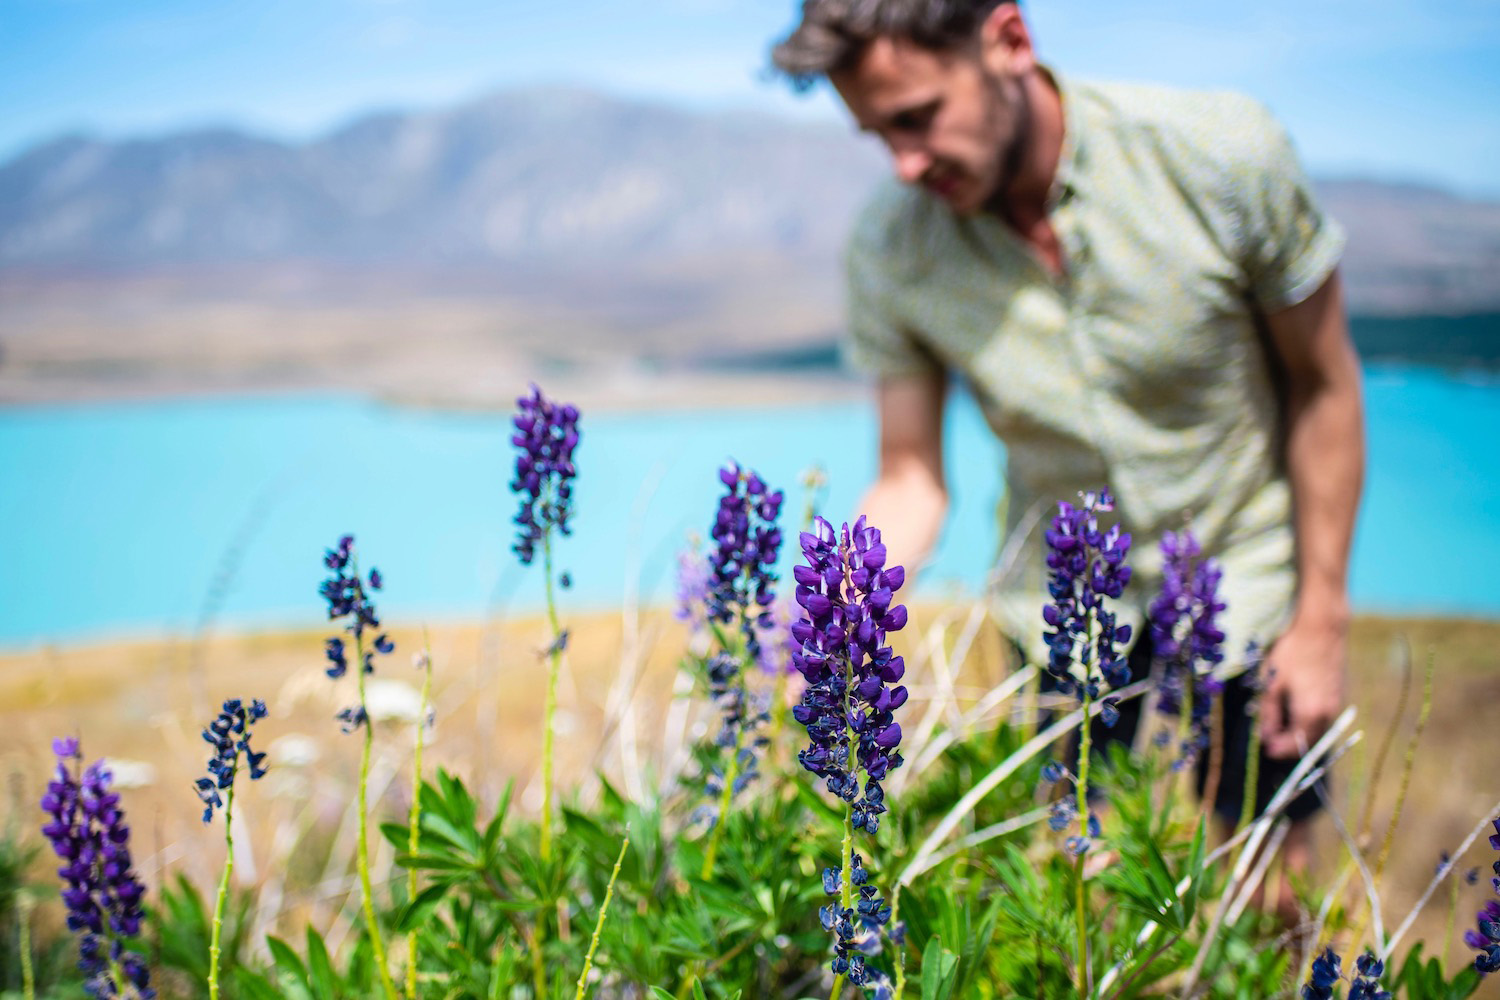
[{"x": 1137, "y": 286}]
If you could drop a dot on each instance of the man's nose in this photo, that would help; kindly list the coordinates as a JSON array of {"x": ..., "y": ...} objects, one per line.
[{"x": 911, "y": 164}]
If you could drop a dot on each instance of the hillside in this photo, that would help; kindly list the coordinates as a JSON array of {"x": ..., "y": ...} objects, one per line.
[{"x": 433, "y": 253}]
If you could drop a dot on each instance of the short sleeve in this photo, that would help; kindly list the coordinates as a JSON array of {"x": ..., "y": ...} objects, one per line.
[
  {"x": 877, "y": 342},
  {"x": 1289, "y": 246}
]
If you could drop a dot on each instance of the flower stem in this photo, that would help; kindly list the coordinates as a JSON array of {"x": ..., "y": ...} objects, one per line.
[
  {"x": 1452, "y": 914},
  {"x": 1186, "y": 751},
  {"x": 846, "y": 873},
  {"x": 900, "y": 956},
  {"x": 377, "y": 943},
  {"x": 28, "y": 976},
  {"x": 1252, "y": 772},
  {"x": 1081, "y": 903},
  {"x": 414, "y": 818},
  {"x": 609, "y": 891},
  {"x": 218, "y": 927},
  {"x": 731, "y": 774},
  {"x": 554, "y": 658}
]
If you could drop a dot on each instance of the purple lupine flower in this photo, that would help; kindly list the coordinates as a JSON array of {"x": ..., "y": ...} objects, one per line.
[
  {"x": 102, "y": 894},
  {"x": 1487, "y": 938},
  {"x": 229, "y": 735},
  {"x": 777, "y": 644},
  {"x": 348, "y": 597},
  {"x": 738, "y": 586},
  {"x": 692, "y": 587},
  {"x": 1485, "y": 935},
  {"x": 1186, "y": 637},
  {"x": 846, "y": 591},
  {"x": 742, "y": 563},
  {"x": 546, "y": 434},
  {"x": 1086, "y": 566}
]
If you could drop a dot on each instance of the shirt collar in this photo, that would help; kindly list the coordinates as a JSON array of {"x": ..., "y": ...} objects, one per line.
[{"x": 1071, "y": 159}]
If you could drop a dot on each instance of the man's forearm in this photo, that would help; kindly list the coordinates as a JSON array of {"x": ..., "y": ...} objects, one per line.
[{"x": 1325, "y": 465}]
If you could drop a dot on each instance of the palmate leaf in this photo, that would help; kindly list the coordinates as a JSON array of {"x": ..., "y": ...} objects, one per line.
[{"x": 1141, "y": 882}]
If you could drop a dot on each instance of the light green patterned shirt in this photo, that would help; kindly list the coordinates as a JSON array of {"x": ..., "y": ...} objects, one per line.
[{"x": 1184, "y": 217}]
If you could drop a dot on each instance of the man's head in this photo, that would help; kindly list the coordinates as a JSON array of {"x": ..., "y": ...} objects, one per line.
[{"x": 941, "y": 82}]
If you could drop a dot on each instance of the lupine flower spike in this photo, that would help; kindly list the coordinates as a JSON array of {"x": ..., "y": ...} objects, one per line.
[
  {"x": 846, "y": 592},
  {"x": 1327, "y": 971},
  {"x": 545, "y": 437},
  {"x": 102, "y": 894},
  {"x": 546, "y": 434},
  {"x": 1087, "y": 565},
  {"x": 229, "y": 735},
  {"x": 1187, "y": 640},
  {"x": 1486, "y": 938},
  {"x": 740, "y": 591},
  {"x": 348, "y": 597}
]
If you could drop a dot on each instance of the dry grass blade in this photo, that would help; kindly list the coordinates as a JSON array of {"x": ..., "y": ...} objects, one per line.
[
  {"x": 929, "y": 752},
  {"x": 1003, "y": 770},
  {"x": 1260, "y": 830},
  {"x": 1444, "y": 872}
]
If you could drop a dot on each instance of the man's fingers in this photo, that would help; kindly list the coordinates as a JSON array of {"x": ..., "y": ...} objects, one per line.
[{"x": 1279, "y": 730}]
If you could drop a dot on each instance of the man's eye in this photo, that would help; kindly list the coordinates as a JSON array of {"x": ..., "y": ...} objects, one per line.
[{"x": 915, "y": 119}]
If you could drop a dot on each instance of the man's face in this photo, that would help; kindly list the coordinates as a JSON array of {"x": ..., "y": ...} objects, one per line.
[{"x": 952, "y": 119}]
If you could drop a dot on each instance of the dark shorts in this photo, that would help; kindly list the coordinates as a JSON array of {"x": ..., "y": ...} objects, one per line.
[{"x": 1237, "y": 727}]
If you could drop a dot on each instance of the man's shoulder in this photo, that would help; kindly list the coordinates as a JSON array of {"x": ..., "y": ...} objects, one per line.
[{"x": 1218, "y": 129}]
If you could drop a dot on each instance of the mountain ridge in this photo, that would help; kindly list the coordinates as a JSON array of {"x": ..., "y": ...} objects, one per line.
[{"x": 564, "y": 176}]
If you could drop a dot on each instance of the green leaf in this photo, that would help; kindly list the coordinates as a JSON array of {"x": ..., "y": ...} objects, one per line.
[
  {"x": 416, "y": 910},
  {"x": 320, "y": 969},
  {"x": 938, "y": 965},
  {"x": 287, "y": 961}
]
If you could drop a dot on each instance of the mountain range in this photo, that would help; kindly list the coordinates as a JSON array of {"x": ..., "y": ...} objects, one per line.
[
  {"x": 683, "y": 232},
  {"x": 567, "y": 177}
]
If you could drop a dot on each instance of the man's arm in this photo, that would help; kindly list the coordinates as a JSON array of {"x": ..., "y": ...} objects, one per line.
[
  {"x": 909, "y": 497},
  {"x": 1325, "y": 456}
]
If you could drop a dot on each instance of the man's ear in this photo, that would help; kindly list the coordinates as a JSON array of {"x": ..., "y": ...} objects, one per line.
[{"x": 1005, "y": 42}]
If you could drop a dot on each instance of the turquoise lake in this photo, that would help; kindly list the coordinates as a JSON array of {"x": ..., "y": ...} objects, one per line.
[{"x": 149, "y": 518}]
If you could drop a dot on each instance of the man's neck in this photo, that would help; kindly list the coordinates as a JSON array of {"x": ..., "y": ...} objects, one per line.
[{"x": 1024, "y": 202}]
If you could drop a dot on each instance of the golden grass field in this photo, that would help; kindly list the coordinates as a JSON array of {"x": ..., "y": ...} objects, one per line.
[{"x": 142, "y": 704}]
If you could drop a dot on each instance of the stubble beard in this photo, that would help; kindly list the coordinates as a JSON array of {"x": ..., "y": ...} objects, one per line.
[{"x": 1015, "y": 145}]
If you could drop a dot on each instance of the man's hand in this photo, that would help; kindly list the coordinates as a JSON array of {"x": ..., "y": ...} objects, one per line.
[
  {"x": 909, "y": 497},
  {"x": 1305, "y": 692}
]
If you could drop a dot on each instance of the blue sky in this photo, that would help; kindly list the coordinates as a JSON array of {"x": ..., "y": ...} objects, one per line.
[{"x": 1382, "y": 88}]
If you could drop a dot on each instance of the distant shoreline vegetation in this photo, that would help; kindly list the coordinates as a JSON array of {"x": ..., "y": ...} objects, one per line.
[
  {"x": 1442, "y": 341},
  {"x": 1448, "y": 342}
]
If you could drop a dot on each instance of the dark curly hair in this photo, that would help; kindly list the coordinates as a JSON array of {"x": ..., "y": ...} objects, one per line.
[{"x": 833, "y": 33}]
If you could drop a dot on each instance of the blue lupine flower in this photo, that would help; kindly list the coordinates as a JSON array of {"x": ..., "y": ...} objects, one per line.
[
  {"x": 229, "y": 734},
  {"x": 1484, "y": 937},
  {"x": 546, "y": 434},
  {"x": 1326, "y": 971},
  {"x": 1366, "y": 982},
  {"x": 1086, "y": 566},
  {"x": 1186, "y": 637},
  {"x": 846, "y": 591},
  {"x": 348, "y": 597},
  {"x": 102, "y": 894}
]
